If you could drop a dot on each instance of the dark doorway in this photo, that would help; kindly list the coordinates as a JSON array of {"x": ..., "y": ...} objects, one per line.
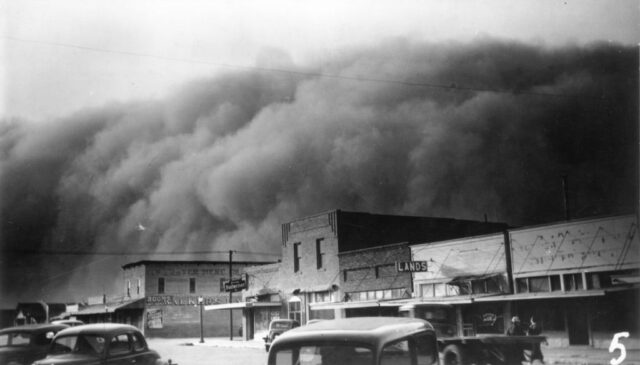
[{"x": 578, "y": 325}]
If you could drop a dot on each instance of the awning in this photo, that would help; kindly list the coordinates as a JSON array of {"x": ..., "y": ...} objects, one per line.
[
  {"x": 241, "y": 305},
  {"x": 110, "y": 307},
  {"x": 625, "y": 279},
  {"x": 543, "y": 295},
  {"x": 466, "y": 278},
  {"x": 348, "y": 305},
  {"x": 315, "y": 288}
]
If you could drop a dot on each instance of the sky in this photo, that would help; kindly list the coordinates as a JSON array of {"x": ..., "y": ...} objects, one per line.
[{"x": 132, "y": 130}]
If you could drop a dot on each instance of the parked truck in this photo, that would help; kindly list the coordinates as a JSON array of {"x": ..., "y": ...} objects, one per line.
[{"x": 459, "y": 344}]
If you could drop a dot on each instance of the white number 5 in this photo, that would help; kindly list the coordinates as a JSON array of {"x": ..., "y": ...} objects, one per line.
[{"x": 615, "y": 345}]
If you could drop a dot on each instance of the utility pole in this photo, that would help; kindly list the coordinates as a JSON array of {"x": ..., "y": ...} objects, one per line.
[
  {"x": 230, "y": 296},
  {"x": 565, "y": 188},
  {"x": 201, "y": 304}
]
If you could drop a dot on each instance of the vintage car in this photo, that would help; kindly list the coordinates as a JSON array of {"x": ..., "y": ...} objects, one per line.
[
  {"x": 358, "y": 341},
  {"x": 100, "y": 343},
  {"x": 278, "y": 327},
  {"x": 22, "y": 345},
  {"x": 68, "y": 322}
]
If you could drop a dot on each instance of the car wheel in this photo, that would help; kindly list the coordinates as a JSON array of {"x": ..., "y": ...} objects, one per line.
[{"x": 453, "y": 355}]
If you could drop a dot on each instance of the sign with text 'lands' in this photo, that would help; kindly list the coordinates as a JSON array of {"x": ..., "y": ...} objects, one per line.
[
  {"x": 606, "y": 243},
  {"x": 411, "y": 266}
]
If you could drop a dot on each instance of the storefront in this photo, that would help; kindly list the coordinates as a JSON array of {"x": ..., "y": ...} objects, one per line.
[{"x": 580, "y": 278}]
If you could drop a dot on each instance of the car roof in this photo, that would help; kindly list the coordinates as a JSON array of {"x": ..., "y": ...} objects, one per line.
[
  {"x": 367, "y": 330},
  {"x": 99, "y": 328},
  {"x": 36, "y": 328}
]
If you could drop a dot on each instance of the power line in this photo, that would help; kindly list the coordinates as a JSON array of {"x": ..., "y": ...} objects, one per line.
[
  {"x": 126, "y": 253},
  {"x": 449, "y": 86}
]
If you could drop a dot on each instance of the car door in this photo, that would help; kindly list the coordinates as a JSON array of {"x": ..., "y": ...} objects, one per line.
[
  {"x": 120, "y": 350},
  {"x": 141, "y": 351}
]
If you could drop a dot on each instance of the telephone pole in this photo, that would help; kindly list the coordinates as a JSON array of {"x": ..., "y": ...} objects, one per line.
[{"x": 230, "y": 296}]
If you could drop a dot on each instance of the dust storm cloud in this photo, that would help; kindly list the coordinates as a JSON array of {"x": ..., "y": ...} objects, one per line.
[{"x": 450, "y": 129}]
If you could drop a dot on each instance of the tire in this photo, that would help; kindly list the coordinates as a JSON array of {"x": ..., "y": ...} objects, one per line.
[{"x": 453, "y": 355}]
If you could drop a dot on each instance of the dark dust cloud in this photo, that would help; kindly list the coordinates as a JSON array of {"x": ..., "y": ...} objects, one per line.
[{"x": 222, "y": 162}]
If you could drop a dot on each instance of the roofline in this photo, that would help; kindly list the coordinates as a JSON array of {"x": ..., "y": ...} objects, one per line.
[
  {"x": 573, "y": 221},
  {"x": 455, "y": 240},
  {"x": 197, "y": 262},
  {"x": 391, "y": 245},
  {"x": 338, "y": 211}
]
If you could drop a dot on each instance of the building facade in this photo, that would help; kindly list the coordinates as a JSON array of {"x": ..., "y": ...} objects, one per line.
[
  {"x": 462, "y": 273},
  {"x": 580, "y": 278},
  {"x": 308, "y": 282},
  {"x": 171, "y": 293}
]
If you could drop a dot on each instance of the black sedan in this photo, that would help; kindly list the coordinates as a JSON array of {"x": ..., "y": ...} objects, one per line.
[
  {"x": 100, "y": 343},
  {"x": 23, "y": 345}
]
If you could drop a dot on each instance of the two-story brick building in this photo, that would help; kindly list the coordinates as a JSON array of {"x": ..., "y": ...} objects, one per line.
[{"x": 168, "y": 292}]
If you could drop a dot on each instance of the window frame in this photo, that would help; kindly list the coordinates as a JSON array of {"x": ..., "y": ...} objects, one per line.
[
  {"x": 161, "y": 285},
  {"x": 319, "y": 254},
  {"x": 192, "y": 286},
  {"x": 296, "y": 257}
]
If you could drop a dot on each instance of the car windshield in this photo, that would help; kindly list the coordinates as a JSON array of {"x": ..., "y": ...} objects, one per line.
[
  {"x": 280, "y": 325},
  {"x": 325, "y": 354},
  {"x": 86, "y": 344},
  {"x": 15, "y": 339}
]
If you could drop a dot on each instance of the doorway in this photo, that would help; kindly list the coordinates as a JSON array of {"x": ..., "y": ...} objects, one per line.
[{"x": 577, "y": 325}]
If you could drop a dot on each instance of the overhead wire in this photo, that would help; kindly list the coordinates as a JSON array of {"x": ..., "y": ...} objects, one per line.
[{"x": 448, "y": 86}]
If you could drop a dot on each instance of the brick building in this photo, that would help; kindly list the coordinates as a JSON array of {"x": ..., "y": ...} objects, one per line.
[
  {"x": 168, "y": 293},
  {"x": 308, "y": 282}
]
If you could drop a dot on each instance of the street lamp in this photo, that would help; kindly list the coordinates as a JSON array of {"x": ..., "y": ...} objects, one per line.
[{"x": 201, "y": 304}]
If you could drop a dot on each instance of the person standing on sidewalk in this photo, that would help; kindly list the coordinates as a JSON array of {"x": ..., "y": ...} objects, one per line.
[
  {"x": 515, "y": 329},
  {"x": 535, "y": 330}
]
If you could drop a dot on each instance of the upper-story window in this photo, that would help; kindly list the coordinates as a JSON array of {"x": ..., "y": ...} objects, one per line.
[
  {"x": 138, "y": 287},
  {"x": 128, "y": 288},
  {"x": 192, "y": 285},
  {"x": 296, "y": 257},
  {"x": 160, "y": 285},
  {"x": 319, "y": 253}
]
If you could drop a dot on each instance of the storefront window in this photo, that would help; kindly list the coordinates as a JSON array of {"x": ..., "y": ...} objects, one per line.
[
  {"x": 573, "y": 282},
  {"x": 295, "y": 311},
  {"x": 522, "y": 285},
  {"x": 539, "y": 284},
  {"x": 440, "y": 290},
  {"x": 426, "y": 290}
]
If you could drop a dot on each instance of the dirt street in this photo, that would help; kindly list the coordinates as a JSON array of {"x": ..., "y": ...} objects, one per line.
[{"x": 182, "y": 354}]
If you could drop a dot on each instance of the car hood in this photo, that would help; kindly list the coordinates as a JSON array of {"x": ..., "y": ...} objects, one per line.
[{"x": 69, "y": 359}]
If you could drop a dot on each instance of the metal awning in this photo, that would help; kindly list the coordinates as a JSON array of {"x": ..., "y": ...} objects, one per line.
[
  {"x": 542, "y": 295},
  {"x": 349, "y": 305},
  {"x": 241, "y": 305},
  {"x": 109, "y": 307}
]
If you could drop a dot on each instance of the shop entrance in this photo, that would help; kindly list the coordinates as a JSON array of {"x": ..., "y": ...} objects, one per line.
[{"x": 577, "y": 325}]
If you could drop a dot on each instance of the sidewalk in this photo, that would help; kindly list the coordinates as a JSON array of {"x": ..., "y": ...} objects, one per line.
[{"x": 577, "y": 355}]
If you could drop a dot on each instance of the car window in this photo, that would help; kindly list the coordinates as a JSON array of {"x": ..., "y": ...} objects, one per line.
[
  {"x": 281, "y": 325},
  {"x": 324, "y": 355},
  {"x": 119, "y": 345},
  {"x": 85, "y": 344},
  {"x": 138, "y": 342},
  {"x": 426, "y": 349},
  {"x": 20, "y": 339},
  {"x": 396, "y": 353}
]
